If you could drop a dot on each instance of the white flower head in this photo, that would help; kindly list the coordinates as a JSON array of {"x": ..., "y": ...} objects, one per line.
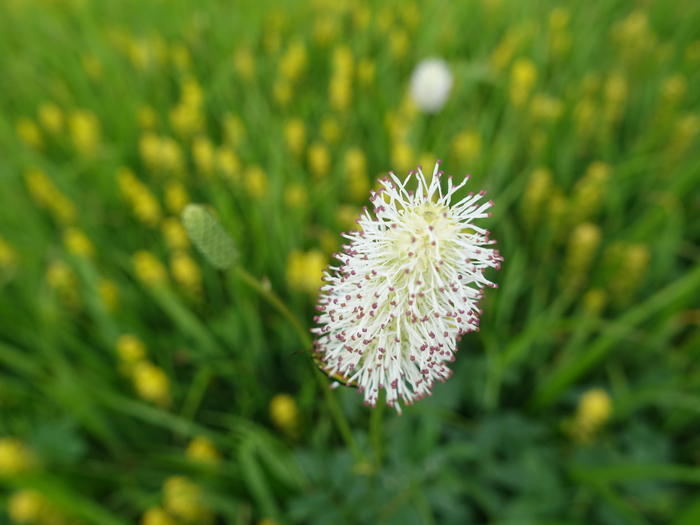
[
  {"x": 431, "y": 82},
  {"x": 408, "y": 286}
]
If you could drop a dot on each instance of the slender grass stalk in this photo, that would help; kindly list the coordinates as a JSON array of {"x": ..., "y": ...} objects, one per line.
[{"x": 330, "y": 400}]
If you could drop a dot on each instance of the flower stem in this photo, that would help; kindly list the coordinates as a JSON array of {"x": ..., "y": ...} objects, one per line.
[
  {"x": 376, "y": 431},
  {"x": 330, "y": 400}
]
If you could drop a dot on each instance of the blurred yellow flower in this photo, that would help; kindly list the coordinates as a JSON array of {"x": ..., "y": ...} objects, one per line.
[
  {"x": 581, "y": 251},
  {"x": 330, "y": 130},
  {"x": 148, "y": 268},
  {"x": 346, "y": 217},
  {"x": 130, "y": 349},
  {"x": 319, "y": 160},
  {"x": 304, "y": 270},
  {"x": 201, "y": 449},
  {"x": 285, "y": 414},
  {"x": 176, "y": 197},
  {"x": 157, "y": 516},
  {"x": 51, "y": 117},
  {"x": 228, "y": 164},
  {"x": 203, "y": 154},
  {"x": 244, "y": 63},
  {"x": 523, "y": 76},
  {"x": 594, "y": 301},
  {"x": 366, "y": 71},
  {"x": 175, "y": 235},
  {"x": 398, "y": 44},
  {"x": 109, "y": 294},
  {"x": 296, "y": 195},
  {"x": 402, "y": 157},
  {"x": 356, "y": 177},
  {"x": 180, "y": 56},
  {"x": 47, "y": 195},
  {"x": 183, "y": 498},
  {"x": 536, "y": 193},
  {"x": 234, "y": 130},
  {"x": 594, "y": 409},
  {"x": 186, "y": 272},
  {"x": 295, "y": 136},
  {"x": 84, "y": 129},
  {"x": 29, "y": 133},
  {"x": 15, "y": 457},
  {"x": 143, "y": 203},
  {"x": 151, "y": 383},
  {"x": 147, "y": 117},
  {"x": 294, "y": 61},
  {"x": 588, "y": 192},
  {"x": 466, "y": 146},
  {"x": 92, "y": 66},
  {"x": 77, "y": 242},
  {"x": 26, "y": 506},
  {"x": 256, "y": 183},
  {"x": 282, "y": 92}
]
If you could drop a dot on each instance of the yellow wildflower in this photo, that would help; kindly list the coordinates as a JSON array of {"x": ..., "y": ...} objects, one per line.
[
  {"x": 176, "y": 197},
  {"x": 29, "y": 133},
  {"x": 201, "y": 449},
  {"x": 183, "y": 498},
  {"x": 319, "y": 160},
  {"x": 594, "y": 409},
  {"x": 244, "y": 63},
  {"x": 255, "y": 180},
  {"x": 109, "y": 294},
  {"x": 186, "y": 272},
  {"x": 51, "y": 117},
  {"x": 148, "y": 268},
  {"x": 296, "y": 195},
  {"x": 77, "y": 242},
  {"x": 157, "y": 516},
  {"x": 295, "y": 136},
  {"x": 84, "y": 131},
  {"x": 304, "y": 270},
  {"x": 130, "y": 349},
  {"x": 285, "y": 414},
  {"x": 15, "y": 457},
  {"x": 466, "y": 146},
  {"x": 151, "y": 383},
  {"x": 523, "y": 76},
  {"x": 203, "y": 153}
]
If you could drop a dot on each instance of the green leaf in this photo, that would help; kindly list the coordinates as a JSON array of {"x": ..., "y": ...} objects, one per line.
[{"x": 209, "y": 236}]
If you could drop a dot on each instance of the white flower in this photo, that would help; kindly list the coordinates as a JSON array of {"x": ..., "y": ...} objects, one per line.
[
  {"x": 431, "y": 82},
  {"x": 407, "y": 288}
]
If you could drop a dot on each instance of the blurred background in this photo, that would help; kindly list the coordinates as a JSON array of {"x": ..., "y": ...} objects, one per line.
[{"x": 138, "y": 384}]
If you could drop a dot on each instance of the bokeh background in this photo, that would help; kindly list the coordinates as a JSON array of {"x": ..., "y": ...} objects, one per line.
[{"x": 138, "y": 384}]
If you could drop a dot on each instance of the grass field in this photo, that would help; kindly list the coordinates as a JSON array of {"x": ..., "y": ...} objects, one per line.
[{"x": 141, "y": 384}]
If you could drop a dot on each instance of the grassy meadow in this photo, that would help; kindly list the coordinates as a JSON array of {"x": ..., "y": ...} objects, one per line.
[{"x": 140, "y": 384}]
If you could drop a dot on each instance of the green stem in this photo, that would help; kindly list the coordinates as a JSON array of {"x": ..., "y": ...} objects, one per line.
[
  {"x": 376, "y": 431},
  {"x": 331, "y": 402}
]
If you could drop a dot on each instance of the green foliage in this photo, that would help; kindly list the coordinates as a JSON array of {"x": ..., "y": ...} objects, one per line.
[{"x": 129, "y": 359}]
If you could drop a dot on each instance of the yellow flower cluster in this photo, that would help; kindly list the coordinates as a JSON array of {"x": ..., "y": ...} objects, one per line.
[
  {"x": 340, "y": 86},
  {"x": 84, "y": 131},
  {"x": 581, "y": 251},
  {"x": 161, "y": 154},
  {"x": 47, "y": 195},
  {"x": 31, "y": 507},
  {"x": 182, "y": 498},
  {"x": 202, "y": 450},
  {"x": 150, "y": 381},
  {"x": 15, "y": 457},
  {"x": 187, "y": 117},
  {"x": 149, "y": 269},
  {"x": 284, "y": 413},
  {"x": 305, "y": 269},
  {"x": 593, "y": 411},
  {"x": 63, "y": 280},
  {"x": 356, "y": 178},
  {"x": 144, "y": 204}
]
